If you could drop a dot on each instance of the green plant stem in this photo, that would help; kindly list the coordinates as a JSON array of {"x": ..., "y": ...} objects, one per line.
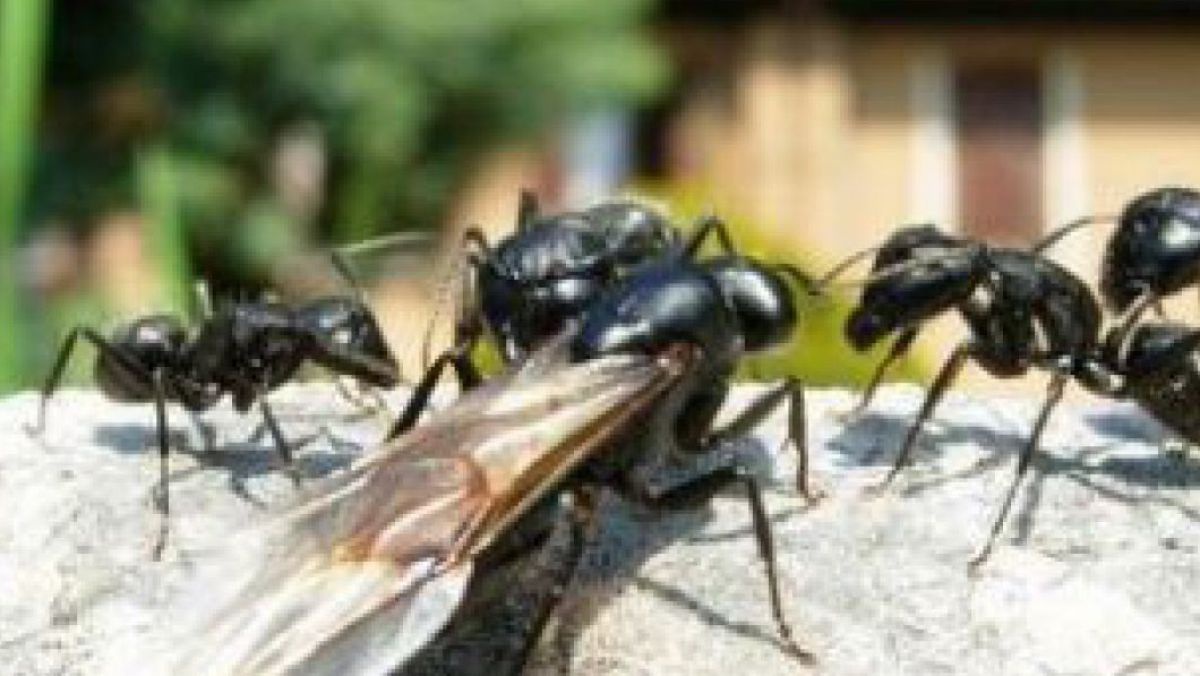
[{"x": 22, "y": 46}]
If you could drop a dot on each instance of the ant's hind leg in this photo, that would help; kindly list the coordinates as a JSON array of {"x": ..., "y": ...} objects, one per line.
[{"x": 127, "y": 361}]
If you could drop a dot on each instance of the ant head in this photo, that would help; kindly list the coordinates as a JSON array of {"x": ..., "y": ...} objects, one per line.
[
  {"x": 663, "y": 303},
  {"x": 760, "y": 298},
  {"x": 1155, "y": 247},
  {"x": 348, "y": 325},
  {"x": 918, "y": 274},
  {"x": 635, "y": 231}
]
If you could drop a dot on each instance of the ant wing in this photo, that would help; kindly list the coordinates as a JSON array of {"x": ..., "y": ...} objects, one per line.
[{"x": 359, "y": 576}]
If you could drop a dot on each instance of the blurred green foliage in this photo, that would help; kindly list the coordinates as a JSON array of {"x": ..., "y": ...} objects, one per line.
[
  {"x": 403, "y": 97},
  {"x": 180, "y": 110},
  {"x": 22, "y": 38}
]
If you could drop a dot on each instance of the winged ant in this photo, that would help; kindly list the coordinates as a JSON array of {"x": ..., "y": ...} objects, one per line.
[{"x": 625, "y": 400}]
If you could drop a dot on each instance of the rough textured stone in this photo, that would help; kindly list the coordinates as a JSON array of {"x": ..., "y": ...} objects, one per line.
[{"x": 1096, "y": 573}]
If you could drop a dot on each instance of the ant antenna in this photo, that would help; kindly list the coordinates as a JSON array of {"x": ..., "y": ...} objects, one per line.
[
  {"x": 800, "y": 277},
  {"x": 474, "y": 248},
  {"x": 340, "y": 256},
  {"x": 1062, "y": 231},
  {"x": 347, "y": 274},
  {"x": 894, "y": 270},
  {"x": 844, "y": 265}
]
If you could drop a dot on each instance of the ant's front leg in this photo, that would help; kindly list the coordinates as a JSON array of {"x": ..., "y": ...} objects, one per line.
[
  {"x": 899, "y": 348},
  {"x": 1123, "y": 325},
  {"x": 791, "y": 390},
  {"x": 458, "y": 357},
  {"x": 945, "y": 378}
]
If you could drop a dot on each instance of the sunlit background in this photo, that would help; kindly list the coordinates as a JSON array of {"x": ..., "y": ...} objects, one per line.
[{"x": 148, "y": 144}]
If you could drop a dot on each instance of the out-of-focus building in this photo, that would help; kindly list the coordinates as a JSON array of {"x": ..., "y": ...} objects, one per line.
[{"x": 833, "y": 122}]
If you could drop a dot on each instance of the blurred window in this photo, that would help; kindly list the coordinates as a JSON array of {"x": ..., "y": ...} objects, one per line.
[{"x": 999, "y": 126}]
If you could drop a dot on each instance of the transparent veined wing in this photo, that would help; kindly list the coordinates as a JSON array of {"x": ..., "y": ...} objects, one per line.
[{"x": 367, "y": 570}]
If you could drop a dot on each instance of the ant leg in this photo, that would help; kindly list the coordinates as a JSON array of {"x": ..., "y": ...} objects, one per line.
[
  {"x": 60, "y": 362},
  {"x": 708, "y": 225},
  {"x": 468, "y": 377},
  {"x": 342, "y": 265},
  {"x": 366, "y": 400},
  {"x": 899, "y": 348},
  {"x": 52, "y": 381},
  {"x": 757, "y": 411},
  {"x": 1053, "y": 396},
  {"x": 705, "y": 481},
  {"x": 1054, "y": 236},
  {"x": 1123, "y": 325},
  {"x": 945, "y": 378},
  {"x": 162, "y": 500},
  {"x": 340, "y": 256},
  {"x": 281, "y": 446}
]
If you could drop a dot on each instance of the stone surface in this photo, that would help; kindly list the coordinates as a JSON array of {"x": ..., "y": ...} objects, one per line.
[{"x": 1097, "y": 571}]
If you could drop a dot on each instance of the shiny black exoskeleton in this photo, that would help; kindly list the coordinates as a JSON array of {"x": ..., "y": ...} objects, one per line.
[
  {"x": 727, "y": 307},
  {"x": 1154, "y": 252},
  {"x": 244, "y": 350},
  {"x": 720, "y": 309},
  {"x": 1157, "y": 365},
  {"x": 553, "y": 266},
  {"x": 534, "y": 283},
  {"x": 1024, "y": 312}
]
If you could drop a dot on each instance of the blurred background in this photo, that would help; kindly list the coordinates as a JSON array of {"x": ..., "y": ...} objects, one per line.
[{"x": 147, "y": 144}]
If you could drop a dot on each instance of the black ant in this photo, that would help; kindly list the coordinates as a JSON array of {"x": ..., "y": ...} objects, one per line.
[
  {"x": 243, "y": 349},
  {"x": 533, "y": 283},
  {"x": 1023, "y": 311},
  {"x": 1153, "y": 253}
]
